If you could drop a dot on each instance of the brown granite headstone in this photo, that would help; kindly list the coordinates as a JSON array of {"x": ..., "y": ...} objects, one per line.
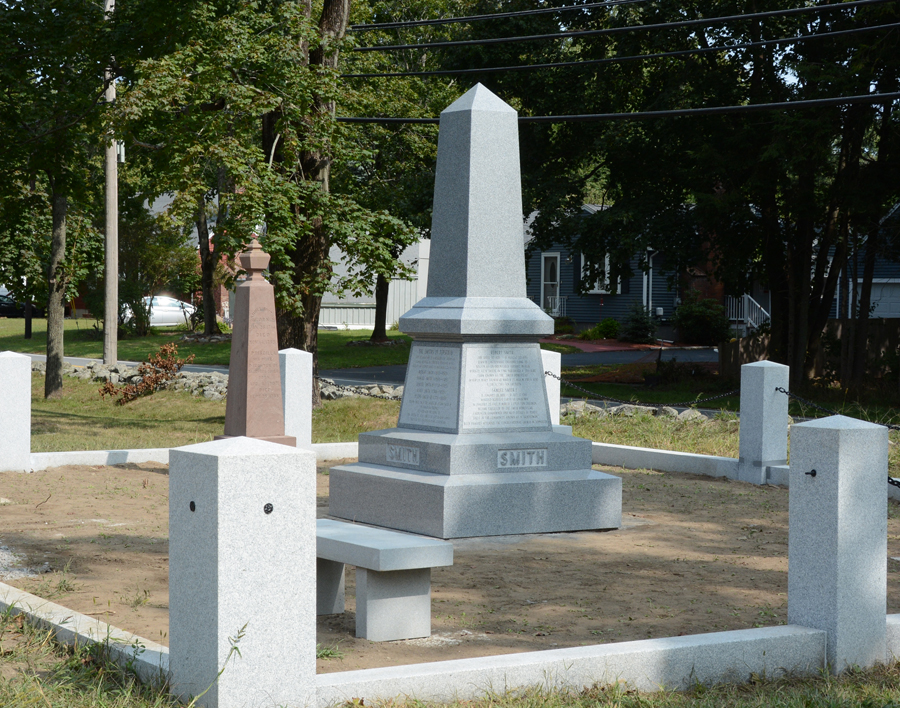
[{"x": 254, "y": 406}]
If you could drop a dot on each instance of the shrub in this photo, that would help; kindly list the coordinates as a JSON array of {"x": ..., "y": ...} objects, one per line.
[
  {"x": 563, "y": 325},
  {"x": 161, "y": 367},
  {"x": 639, "y": 326},
  {"x": 607, "y": 328},
  {"x": 701, "y": 321}
]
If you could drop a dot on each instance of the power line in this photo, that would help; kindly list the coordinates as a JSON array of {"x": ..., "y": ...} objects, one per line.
[
  {"x": 494, "y": 16},
  {"x": 619, "y": 30},
  {"x": 637, "y": 57},
  {"x": 863, "y": 99}
]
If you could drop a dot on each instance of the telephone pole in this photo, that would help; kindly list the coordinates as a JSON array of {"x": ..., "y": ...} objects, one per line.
[{"x": 111, "y": 294}]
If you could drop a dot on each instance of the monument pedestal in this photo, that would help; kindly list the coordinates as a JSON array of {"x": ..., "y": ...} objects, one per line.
[{"x": 474, "y": 452}]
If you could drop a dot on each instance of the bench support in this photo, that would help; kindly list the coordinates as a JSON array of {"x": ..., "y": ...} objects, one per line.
[
  {"x": 329, "y": 587},
  {"x": 393, "y": 605}
]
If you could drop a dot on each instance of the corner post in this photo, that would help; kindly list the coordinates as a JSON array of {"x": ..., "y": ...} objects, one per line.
[
  {"x": 15, "y": 443},
  {"x": 242, "y": 573},
  {"x": 552, "y": 362},
  {"x": 764, "y": 420},
  {"x": 837, "y": 537},
  {"x": 296, "y": 394}
]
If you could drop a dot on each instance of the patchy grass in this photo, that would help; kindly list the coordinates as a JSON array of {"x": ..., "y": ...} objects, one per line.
[
  {"x": 560, "y": 348},
  {"x": 81, "y": 420},
  {"x": 36, "y": 671},
  {"x": 344, "y": 419},
  {"x": 718, "y": 436},
  {"x": 335, "y": 354}
]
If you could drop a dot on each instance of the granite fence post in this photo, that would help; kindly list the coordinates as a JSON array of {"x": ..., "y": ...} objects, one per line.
[
  {"x": 837, "y": 537},
  {"x": 552, "y": 363},
  {"x": 15, "y": 443},
  {"x": 296, "y": 394},
  {"x": 242, "y": 573},
  {"x": 764, "y": 419}
]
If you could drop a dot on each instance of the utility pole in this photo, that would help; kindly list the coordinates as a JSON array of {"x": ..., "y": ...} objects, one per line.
[{"x": 111, "y": 295}]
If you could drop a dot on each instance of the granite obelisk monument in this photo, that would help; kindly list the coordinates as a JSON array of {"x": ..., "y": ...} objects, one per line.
[
  {"x": 254, "y": 405},
  {"x": 474, "y": 452}
]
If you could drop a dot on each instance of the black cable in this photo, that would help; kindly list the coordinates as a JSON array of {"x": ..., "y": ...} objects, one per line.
[
  {"x": 637, "y": 57},
  {"x": 619, "y": 30},
  {"x": 494, "y": 16},
  {"x": 675, "y": 113}
]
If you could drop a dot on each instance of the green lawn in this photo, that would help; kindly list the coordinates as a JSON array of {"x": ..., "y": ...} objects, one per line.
[{"x": 84, "y": 339}]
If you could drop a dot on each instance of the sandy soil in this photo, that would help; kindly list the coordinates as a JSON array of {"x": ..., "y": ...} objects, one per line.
[{"x": 694, "y": 555}]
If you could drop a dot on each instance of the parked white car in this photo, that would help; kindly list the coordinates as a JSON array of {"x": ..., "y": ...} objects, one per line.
[{"x": 166, "y": 311}]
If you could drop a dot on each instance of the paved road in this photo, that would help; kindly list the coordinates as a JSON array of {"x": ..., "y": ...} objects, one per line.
[{"x": 395, "y": 375}]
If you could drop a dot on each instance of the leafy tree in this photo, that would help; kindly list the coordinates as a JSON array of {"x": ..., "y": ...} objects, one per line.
[{"x": 51, "y": 71}]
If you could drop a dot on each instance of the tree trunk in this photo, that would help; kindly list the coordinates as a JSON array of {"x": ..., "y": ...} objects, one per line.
[
  {"x": 382, "y": 286},
  {"x": 56, "y": 298},
  {"x": 861, "y": 338},
  {"x": 207, "y": 269},
  {"x": 309, "y": 258}
]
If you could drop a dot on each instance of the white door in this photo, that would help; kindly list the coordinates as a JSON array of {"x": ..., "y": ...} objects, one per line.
[{"x": 550, "y": 282}]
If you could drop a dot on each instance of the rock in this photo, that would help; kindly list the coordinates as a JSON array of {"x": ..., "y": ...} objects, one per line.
[
  {"x": 666, "y": 412},
  {"x": 630, "y": 411},
  {"x": 690, "y": 414}
]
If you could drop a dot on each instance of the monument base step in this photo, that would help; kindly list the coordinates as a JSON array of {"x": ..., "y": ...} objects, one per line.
[
  {"x": 476, "y": 453},
  {"x": 460, "y": 506}
]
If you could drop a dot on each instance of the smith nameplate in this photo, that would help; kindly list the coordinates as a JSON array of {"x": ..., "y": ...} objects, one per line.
[
  {"x": 405, "y": 455},
  {"x": 522, "y": 458}
]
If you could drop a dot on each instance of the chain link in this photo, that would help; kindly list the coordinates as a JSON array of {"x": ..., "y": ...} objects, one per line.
[
  {"x": 683, "y": 404},
  {"x": 830, "y": 411},
  {"x": 356, "y": 390},
  {"x": 891, "y": 481}
]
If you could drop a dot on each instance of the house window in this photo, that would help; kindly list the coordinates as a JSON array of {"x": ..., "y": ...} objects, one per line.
[
  {"x": 549, "y": 281},
  {"x": 600, "y": 287}
]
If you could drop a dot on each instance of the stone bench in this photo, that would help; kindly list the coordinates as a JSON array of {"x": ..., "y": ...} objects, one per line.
[{"x": 393, "y": 577}]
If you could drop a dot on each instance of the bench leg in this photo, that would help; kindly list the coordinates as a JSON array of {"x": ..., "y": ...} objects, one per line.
[
  {"x": 329, "y": 587},
  {"x": 393, "y": 605}
]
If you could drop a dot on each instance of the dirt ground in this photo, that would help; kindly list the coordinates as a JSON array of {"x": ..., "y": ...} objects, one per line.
[{"x": 694, "y": 555}]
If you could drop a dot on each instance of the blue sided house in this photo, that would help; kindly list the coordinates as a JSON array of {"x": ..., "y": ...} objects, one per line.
[{"x": 554, "y": 276}]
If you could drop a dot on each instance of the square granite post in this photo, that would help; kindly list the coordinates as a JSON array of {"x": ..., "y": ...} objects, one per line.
[
  {"x": 764, "y": 419},
  {"x": 837, "y": 536},
  {"x": 553, "y": 363},
  {"x": 296, "y": 394},
  {"x": 15, "y": 382},
  {"x": 242, "y": 572}
]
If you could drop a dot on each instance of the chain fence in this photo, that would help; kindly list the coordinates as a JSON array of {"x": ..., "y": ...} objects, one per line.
[
  {"x": 681, "y": 404},
  {"x": 806, "y": 402}
]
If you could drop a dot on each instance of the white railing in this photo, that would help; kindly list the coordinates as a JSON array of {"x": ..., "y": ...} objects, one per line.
[
  {"x": 555, "y": 306},
  {"x": 746, "y": 313}
]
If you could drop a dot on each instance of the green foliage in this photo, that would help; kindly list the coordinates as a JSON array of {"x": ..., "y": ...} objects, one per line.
[
  {"x": 607, "y": 328},
  {"x": 639, "y": 326},
  {"x": 563, "y": 325},
  {"x": 701, "y": 321}
]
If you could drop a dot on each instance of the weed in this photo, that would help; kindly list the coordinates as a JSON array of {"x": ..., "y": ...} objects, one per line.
[{"x": 328, "y": 652}]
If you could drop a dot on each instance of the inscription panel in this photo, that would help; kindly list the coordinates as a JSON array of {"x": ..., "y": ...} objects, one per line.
[
  {"x": 431, "y": 393},
  {"x": 522, "y": 458},
  {"x": 504, "y": 389}
]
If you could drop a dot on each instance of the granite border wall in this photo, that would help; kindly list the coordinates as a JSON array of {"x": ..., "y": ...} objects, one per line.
[{"x": 651, "y": 663}]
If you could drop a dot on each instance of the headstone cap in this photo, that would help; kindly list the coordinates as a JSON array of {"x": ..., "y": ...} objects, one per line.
[
  {"x": 254, "y": 259},
  {"x": 479, "y": 98}
]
